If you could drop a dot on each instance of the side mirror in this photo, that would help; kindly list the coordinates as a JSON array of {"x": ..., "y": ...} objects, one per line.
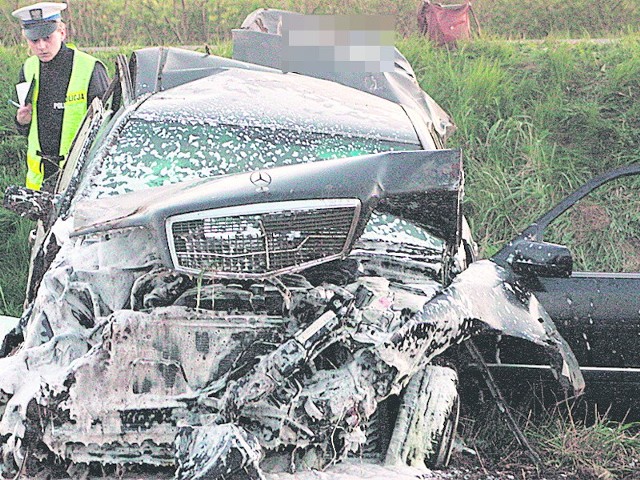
[
  {"x": 541, "y": 259},
  {"x": 32, "y": 204}
]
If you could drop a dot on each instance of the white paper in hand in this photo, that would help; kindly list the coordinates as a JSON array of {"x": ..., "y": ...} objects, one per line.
[{"x": 22, "y": 89}]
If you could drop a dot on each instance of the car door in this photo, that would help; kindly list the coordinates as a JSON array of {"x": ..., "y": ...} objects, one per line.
[{"x": 596, "y": 304}]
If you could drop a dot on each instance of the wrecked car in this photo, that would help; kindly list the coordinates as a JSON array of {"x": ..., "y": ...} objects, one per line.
[{"x": 245, "y": 271}]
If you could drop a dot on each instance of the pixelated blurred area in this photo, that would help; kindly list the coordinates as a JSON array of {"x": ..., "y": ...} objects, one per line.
[{"x": 338, "y": 43}]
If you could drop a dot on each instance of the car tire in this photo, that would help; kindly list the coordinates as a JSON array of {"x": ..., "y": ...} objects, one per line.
[{"x": 427, "y": 420}]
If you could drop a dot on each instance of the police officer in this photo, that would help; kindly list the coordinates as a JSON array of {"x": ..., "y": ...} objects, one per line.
[{"x": 64, "y": 81}]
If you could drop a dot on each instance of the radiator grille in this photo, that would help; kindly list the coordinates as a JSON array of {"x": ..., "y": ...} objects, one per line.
[{"x": 271, "y": 238}]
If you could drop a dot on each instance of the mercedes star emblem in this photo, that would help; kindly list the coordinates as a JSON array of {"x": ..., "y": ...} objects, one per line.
[{"x": 261, "y": 180}]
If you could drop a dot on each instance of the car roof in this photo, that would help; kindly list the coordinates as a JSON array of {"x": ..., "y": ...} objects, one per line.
[{"x": 244, "y": 97}]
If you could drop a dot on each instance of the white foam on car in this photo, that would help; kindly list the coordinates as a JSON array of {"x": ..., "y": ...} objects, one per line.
[
  {"x": 7, "y": 324},
  {"x": 357, "y": 470}
]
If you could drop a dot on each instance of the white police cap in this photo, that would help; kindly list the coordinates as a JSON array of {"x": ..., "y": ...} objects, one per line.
[{"x": 39, "y": 20}]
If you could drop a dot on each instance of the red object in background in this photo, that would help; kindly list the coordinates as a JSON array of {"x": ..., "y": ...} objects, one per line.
[{"x": 445, "y": 24}]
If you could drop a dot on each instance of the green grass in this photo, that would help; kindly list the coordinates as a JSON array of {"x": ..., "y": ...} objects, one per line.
[
  {"x": 14, "y": 249},
  {"x": 535, "y": 121},
  {"x": 600, "y": 450},
  {"x": 153, "y": 22},
  {"x": 569, "y": 447}
]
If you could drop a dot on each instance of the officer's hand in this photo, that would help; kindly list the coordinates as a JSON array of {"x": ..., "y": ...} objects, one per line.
[{"x": 23, "y": 115}]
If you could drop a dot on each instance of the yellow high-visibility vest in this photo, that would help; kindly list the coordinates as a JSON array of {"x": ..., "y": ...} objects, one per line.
[{"x": 75, "y": 108}]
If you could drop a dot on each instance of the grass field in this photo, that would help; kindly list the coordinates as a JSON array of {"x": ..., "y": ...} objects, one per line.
[{"x": 535, "y": 121}]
